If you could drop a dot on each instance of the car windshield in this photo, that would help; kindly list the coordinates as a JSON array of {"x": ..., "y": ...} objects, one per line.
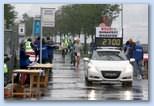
[{"x": 108, "y": 55}]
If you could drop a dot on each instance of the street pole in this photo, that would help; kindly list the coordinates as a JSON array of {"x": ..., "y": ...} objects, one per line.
[
  {"x": 122, "y": 22},
  {"x": 41, "y": 39}
]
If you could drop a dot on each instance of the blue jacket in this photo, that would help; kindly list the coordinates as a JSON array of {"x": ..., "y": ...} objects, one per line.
[
  {"x": 138, "y": 52},
  {"x": 37, "y": 44},
  {"x": 50, "y": 48},
  {"x": 24, "y": 59},
  {"x": 129, "y": 49},
  {"x": 44, "y": 52}
]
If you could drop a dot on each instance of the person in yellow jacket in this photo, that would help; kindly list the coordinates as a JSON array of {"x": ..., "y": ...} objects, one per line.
[
  {"x": 28, "y": 46},
  {"x": 6, "y": 72},
  {"x": 30, "y": 49}
]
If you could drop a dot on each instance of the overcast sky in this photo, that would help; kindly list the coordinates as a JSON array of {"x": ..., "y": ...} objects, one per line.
[{"x": 135, "y": 18}]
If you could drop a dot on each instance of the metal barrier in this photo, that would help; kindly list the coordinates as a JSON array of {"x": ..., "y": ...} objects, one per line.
[{"x": 11, "y": 48}]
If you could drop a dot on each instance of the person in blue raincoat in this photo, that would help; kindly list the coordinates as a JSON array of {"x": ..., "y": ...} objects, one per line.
[
  {"x": 24, "y": 63},
  {"x": 37, "y": 46},
  {"x": 138, "y": 55},
  {"x": 44, "y": 52},
  {"x": 24, "y": 59},
  {"x": 50, "y": 48}
]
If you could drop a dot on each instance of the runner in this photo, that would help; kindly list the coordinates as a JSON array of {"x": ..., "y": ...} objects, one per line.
[{"x": 77, "y": 47}]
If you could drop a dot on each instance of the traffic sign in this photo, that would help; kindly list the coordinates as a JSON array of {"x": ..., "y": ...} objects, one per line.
[{"x": 21, "y": 29}]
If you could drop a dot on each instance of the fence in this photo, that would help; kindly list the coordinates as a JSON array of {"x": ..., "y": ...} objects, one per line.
[{"x": 11, "y": 48}]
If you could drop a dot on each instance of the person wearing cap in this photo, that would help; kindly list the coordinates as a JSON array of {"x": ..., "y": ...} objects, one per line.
[{"x": 138, "y": 55}]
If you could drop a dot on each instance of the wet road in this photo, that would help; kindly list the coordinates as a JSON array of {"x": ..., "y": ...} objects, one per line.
[{"x": 66, "y": 83}]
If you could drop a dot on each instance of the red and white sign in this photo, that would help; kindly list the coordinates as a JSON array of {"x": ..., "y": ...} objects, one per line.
[{"x": 106, "y": 32}]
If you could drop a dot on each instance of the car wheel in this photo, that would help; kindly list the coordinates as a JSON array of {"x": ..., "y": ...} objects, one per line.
[
  {"x": 127, "y": 84},
  {"x": 87, "y": 81}
]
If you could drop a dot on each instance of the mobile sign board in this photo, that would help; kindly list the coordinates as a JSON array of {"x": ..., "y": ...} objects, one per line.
[
  {"x": 48, "y": 17},
  {"x": 21, "y": 29},
  {"x": 108, "y": 42},
  {"x": 37, "y": 27},
  {"x": 108, "y": 37}
]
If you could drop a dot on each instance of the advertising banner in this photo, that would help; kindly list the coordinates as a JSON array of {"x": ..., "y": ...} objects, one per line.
[
  {"x": 37, "y": 27},
  {"x": 48, "y": 17},
  {"x": 108, "y": 37},
  {"x": 106, "y": 32}
]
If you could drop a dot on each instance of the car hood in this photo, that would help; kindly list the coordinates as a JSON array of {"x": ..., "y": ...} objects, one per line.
[{"x": 110, "y": 65}]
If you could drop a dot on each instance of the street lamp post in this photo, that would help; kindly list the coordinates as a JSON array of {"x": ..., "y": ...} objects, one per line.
[{"x": 122, "y": 21}]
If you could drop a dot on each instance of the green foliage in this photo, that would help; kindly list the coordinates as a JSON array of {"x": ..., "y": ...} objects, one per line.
[
  {"x": 83, "y": 18},
  {"x": 9, "y": 15}
]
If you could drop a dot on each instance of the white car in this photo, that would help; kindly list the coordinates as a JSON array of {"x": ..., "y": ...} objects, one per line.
[{"x": 108, "y": 66}]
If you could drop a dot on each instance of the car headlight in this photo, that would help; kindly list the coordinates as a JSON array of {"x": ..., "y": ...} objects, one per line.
[
  {"x": 128, "y": 72},
  {"x": 129, "y": 69},
  {"x": 92, "y": 72},
  {"x": 91, "y": 67}
]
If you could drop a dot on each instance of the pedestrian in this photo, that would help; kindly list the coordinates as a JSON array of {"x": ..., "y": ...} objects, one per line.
[
  {"x": 30, "y": 49},
  {"x": 24, "y": 63},
  {"x": 44, "y": 51},
  {"x": 72, "y": 53},
  {"x": 129, "y": 48},
  {"x": 92, "y": 47},
  {"x": 50, "y": 48},
  {"x": 77, "y": 47},
  {"x": 138, "y": 55},
  {"x": 64, "y": 47},
  {"x": 37, "y": 46},
  {"x": 6, "y": 71},
  {"x": 24, "y": 58},
  {"x": 29, "y": 46}
]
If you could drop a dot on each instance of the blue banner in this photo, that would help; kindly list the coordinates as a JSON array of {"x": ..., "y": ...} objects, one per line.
[{"x": 36, "y": 27}]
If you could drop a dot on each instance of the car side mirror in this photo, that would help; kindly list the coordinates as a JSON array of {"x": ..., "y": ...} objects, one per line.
[
  {"x": 86, "y": 59},
  {"x": 132, "y": 60}
]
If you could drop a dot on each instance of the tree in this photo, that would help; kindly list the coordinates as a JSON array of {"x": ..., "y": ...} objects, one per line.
[
  {"x": 84, "y": 18},
  {"x": 9, "y": 15},
  {"x": 28, "y": 24}
]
